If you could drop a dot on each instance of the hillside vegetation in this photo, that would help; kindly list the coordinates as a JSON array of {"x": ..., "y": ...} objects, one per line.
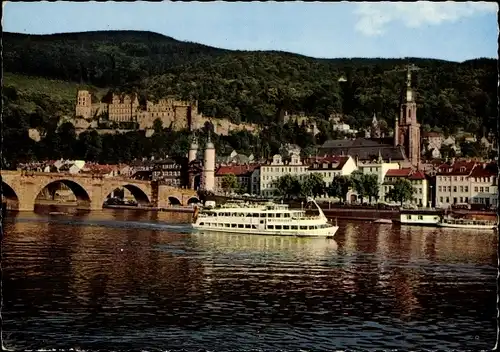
[
  {"x": 259, "y": 86},
  {"x": 43, "y": 72}
]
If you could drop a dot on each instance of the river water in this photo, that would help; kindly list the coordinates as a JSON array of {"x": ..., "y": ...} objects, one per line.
[{"x": 121, "y": 279}]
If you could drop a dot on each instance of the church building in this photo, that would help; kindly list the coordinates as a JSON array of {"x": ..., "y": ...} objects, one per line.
[{"x": 403, "y": 148}]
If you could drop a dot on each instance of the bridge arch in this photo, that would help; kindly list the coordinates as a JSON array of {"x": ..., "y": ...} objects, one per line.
[
  {"x": 193, "y": 200},
  {"x": 9, "y": 196},
  {"x": 173, "y": 200},
  {"x": 139, "y": 193},
  {"x": 80, "y": 192}
]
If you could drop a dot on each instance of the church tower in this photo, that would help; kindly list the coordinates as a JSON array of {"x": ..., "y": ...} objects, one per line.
[
  {"x": 407, "y": 129},
  {"x": 209, "y": 166}
]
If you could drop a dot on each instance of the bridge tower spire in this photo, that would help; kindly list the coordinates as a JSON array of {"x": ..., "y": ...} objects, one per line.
[{"x": 209, "y": 165}]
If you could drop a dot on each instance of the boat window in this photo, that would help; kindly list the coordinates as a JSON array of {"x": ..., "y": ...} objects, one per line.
[
  {"x": 262, "y": 221},
  {"x": 294, "y": 227},
  {"x": 270, "y": 215},
  {"x": 248, "y": 226},
  {"x": 255, "y": 215},
  {"x": 262, "y": 215},
  {"x": 226, "y": 225},
  {"x": 240, "y": 226},
  {"x": 303, "y": 227},
  {"x": 233, "y": 225},
  {"x": 254, "y": 226},
  {"x": 270, "y": 227},
  {"x": 286, "y": 227},
  {"x": 311, "y": 227},
  {"x": 408, "y": 217},
  {"x": 278, "y": 227},
  {"x": 202, "y": 223},
  {"x": 420, "y": 217},
  {"x": 287, "y": 215},
  {"x": 278, "y": 215}
]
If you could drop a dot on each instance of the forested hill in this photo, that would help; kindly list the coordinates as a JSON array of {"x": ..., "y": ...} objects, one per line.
[{"x": 258, "y": 86}]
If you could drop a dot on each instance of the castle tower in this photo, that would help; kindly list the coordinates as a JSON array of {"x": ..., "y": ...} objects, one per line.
[
  {"x": 209, "y": 166},
  {"x": 83, "y": 104},
  {"x": 407, "y": 129},
  {"x": 193, "y": 149}
]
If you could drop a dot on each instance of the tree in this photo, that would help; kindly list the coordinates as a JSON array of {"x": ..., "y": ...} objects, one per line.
[
  {"x": 288, "y": 186},
  {"x": 230, "y": 182},
  {"x": 339, "y": 187},
  {"x": 158, "y": 125},
  {"x": 371, "y": 186},
  {"x": 358, "y": 185},
  {"x": 313, "y": 185},
  {"x": 447, "y": 151},
  {"x": 401, "y": 192}
]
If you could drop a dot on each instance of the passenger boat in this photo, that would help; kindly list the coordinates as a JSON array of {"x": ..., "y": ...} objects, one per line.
[
  {"x": 468, "y": 224},
  {"x": 263, "y": 219}
]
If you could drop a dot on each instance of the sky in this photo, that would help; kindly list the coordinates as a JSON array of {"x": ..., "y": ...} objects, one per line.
[{"x": 454, "y": 31}]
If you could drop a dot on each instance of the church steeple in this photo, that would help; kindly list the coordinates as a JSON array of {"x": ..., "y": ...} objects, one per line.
[{"x": 407, "y": 129}]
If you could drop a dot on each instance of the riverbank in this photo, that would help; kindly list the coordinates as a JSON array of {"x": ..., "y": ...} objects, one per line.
[{"x": 172, "y": 209}]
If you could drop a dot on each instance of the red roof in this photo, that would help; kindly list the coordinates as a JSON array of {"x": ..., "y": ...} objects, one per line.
[
  {"x": 485, "y": 170},
  {"x": 459, "y": 168},
  {"x": 399, "y": 172},
  {"x": 417, "y": 175},
  {"x": 237, "y": 170}
]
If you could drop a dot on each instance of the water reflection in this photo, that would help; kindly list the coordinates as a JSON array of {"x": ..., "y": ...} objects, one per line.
[{"x": 111, "y": 280}]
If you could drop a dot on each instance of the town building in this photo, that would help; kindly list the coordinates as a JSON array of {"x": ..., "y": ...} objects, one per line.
[
  {"x": 364, "y": 150},
  {"x": 417, "y": 179},
  {"x": 377, "y": 167},
  {"x": 466, "y": 182},
  {"x": 243, "y": 175},
  {"x": 331, "y": 166},
  {"x": 271, "y": 172}
]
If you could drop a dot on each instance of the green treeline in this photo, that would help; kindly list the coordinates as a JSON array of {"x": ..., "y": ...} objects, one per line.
[{"x": 251, "y": 86}]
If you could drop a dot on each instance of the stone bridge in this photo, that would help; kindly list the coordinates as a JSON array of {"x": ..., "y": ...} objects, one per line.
[{"x": 21, "y": 189}]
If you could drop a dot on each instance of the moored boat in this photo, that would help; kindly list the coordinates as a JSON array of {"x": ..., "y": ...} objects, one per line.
[
  {"x": 382, "y": 221},
  {"x": 263, "y": 219},
  {"x": 467, "y": 224},
  {"x": 420, "y": 217}
]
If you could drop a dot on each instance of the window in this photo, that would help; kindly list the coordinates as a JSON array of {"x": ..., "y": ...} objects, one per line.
[
  {"x": 441, "y": 199},
  {"x": 278, "y": 227},
  {"x": 449, "y": 188},
  {"x": 466, "y": 199},
  {"x": 454, "y": 188},
  {"x": 420, "y": 217},
  {"x": 439, "y": 188},
  {"x": 408, "y": 217},
  {"x": 487, "y": 189},
  {"x": 447, "y": 199},
  {"x": 466, "y": 188},
  {"x": 461, "y": 188},
  {"x": 481, "y": 189}
]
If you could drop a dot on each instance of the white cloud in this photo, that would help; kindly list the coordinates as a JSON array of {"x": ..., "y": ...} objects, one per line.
[{"x": 373, "y": 17}]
